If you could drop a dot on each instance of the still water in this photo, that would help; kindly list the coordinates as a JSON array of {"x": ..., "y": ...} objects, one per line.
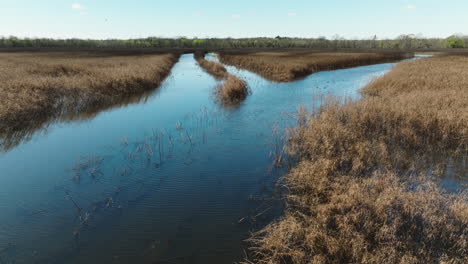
[{"x": 173, "y": 178}]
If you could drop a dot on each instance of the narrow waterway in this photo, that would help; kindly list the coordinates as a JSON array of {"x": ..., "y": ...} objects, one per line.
[{"x": 174, "y": 178}]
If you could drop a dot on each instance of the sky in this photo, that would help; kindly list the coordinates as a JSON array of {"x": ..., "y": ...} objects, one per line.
[{"x": 357, "y": 19}]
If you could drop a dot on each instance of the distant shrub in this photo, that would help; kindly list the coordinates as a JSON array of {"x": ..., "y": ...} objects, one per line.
[{"x": 455, "y": 43}]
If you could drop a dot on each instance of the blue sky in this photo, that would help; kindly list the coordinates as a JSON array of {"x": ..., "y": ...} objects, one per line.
[{"x": 241, "y": 18}]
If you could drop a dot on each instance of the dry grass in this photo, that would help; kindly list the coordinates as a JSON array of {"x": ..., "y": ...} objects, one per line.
[
  {"x": 232, "y": 91},
  {"x": 217, "y": 70},
  {"x": 372, "y": 220},
  {"x": 353, "y": 195},
  {"x": 289, "y": 66},
  {"x": 40, "y": 86}
]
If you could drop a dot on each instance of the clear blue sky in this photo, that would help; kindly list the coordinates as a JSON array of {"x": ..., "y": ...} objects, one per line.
[{"x": 241, "y": 18}]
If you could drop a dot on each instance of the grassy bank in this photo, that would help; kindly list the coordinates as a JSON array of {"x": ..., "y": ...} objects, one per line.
[
  {"x": 217, "y": 70},
  {"x": 232, "y": 90},
  {"x": 289, "y": 66},
  {"x": 364, "y": 188},
  {"x": 40, "y": 86}
]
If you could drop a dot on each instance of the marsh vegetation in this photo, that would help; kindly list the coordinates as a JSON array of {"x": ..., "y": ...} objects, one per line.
[
  {"x": 217, "y": 70},
  {"x": 232, "y": 90},
  {"x": 289, "y": 66},
  {"x": 41, "y": 86},
  {"x": 403, "y": 42},
  {"x": 366, "y": 185}
]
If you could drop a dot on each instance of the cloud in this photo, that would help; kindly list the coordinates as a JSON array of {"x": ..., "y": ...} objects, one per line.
[
  {"x": 77, "y": 6},
  {"x": 409, "y": 7},
  {"x": 292, "y": 14},
  {"x": 235, "y": 16}
]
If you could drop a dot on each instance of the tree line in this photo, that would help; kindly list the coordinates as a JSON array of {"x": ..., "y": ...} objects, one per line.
[{"x": 402, "y": 42}]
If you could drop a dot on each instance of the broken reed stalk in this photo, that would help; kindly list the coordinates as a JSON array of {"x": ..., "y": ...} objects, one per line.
[{"x": 189, "y": 137}]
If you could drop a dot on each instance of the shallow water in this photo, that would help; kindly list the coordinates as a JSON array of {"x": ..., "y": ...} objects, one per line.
[{"x": 176, "y": 178}]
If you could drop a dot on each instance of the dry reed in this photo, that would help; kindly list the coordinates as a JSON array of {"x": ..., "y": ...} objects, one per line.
[
  {"x": 232, "y": 91},
  {"x": 354, "y": 197},
  {"x": 38, "y": 86},
  {"x": 217, "y": 70},
  {"x": 289, "y": 66}
]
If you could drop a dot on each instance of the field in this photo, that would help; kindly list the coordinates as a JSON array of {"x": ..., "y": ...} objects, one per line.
[
  {"x": 40, "y": 86},
  {"x": 365, "y": 187},
  {"x": 289, "y": 66}
]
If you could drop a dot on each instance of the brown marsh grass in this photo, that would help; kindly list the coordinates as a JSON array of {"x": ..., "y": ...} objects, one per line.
[
  {"x": 289, "y": 66},
  {"x": 217, "y": 70},
  {"x": 364, "y": 188},
  {"x": 9, "y": 140},
  {"x": 232, "y": 90},
  {"x": 40, "y": 86}
]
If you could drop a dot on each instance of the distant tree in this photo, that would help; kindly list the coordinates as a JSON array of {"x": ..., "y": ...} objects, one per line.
[
  {"x": 336, "y": 42},
  {"x": 455, "y": 42}
]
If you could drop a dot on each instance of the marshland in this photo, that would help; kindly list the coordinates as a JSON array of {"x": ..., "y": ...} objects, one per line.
[
  {"x": 38, "y": 86},
  {"x": 233, "y": 156},
  {"x": 232, "y": 90},
  {"x": 368, "y": 184},
  {"x": 289, "y": 66}
]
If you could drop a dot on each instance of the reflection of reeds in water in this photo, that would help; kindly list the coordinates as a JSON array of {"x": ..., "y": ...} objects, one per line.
[
  {"x": 123, "y": 182},
  {"x": 40, "y": 88},
  {"x": 10, "y": 139},
  {"x": 89, "y": 166}
]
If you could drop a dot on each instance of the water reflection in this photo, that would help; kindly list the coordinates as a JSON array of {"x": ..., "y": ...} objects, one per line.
[
  {"x": 174, "y": 179},
  {"x": 11, "y": 139}
]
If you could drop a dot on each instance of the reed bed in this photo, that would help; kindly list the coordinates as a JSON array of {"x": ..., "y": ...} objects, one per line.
[
  {"x": 289, "y": 66},
  {"x": 39, "y": 86},
  {"x": 232, "y": 90},
  {"x": 364, "y": 189},
  {"x": 217, "y": 70}
]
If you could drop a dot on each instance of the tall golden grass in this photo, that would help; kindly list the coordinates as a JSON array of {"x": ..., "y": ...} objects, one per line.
[
  {"x": 39, "y": 86},
  {"x": 364, "y": 189},
  {"x": 217, "y": 70},
  {"x": 232, "y": 90},
  {"x": 289, "y": 66}
]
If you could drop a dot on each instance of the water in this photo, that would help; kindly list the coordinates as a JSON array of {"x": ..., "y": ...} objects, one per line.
[{"x": 175, "y": 178}]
